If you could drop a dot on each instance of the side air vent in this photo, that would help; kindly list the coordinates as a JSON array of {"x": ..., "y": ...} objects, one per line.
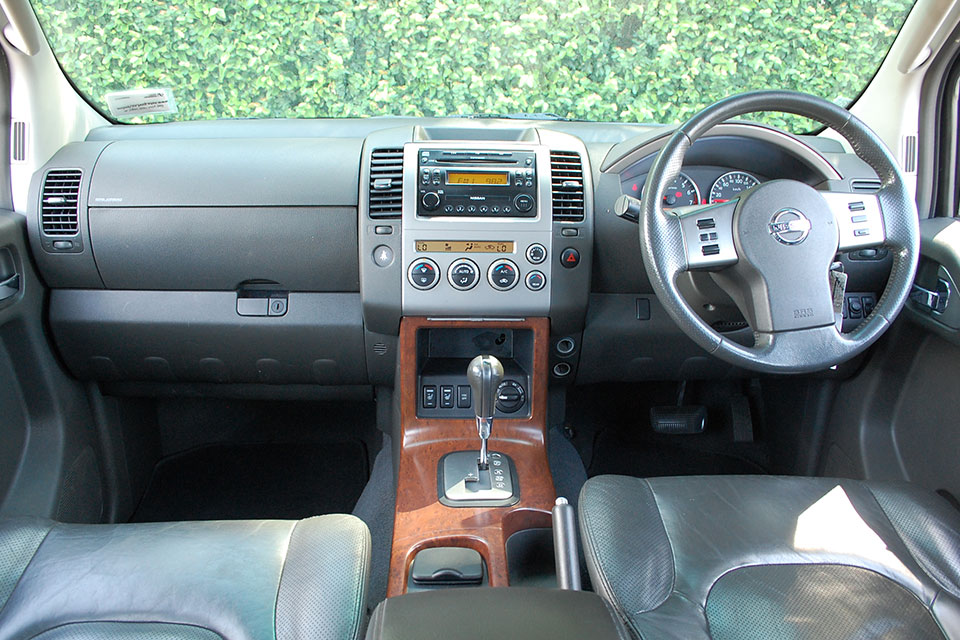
[
  {"x": 59, "y": 202},
  {"x": 566, "y": 177},
  {"x": 386, "y": 183},
  {"x": 865, "y": 186}
]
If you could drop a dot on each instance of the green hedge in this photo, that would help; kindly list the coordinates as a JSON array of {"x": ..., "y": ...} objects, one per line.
[{"x": 654, "y": 61}]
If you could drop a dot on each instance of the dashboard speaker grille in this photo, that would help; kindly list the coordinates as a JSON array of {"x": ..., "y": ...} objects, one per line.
[
  {"x": 386, "y": 183},
  {"x": 59, "y": 202},
  {"x": 566, "y": 177}
]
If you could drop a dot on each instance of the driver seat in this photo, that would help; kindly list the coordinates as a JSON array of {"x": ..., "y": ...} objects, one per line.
[{"x": 750, "y": 557}]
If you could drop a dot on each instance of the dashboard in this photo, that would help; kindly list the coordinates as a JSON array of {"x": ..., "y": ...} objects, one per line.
[{"x": 283, "y": 254}]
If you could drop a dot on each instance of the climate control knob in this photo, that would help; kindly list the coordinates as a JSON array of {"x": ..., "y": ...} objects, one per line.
[
  {"x": 503, "y": 275},
  {"x": 430, "y": 200},
  {"x": 423, "y": 273}
]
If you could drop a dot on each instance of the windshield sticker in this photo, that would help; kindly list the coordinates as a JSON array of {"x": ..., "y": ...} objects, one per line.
[{"x": 139, "y": 102}]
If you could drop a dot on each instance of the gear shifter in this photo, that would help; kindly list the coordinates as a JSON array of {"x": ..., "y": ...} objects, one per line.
[
  {"x": 487, "y": 480},
  {"x": 485, "y": 374}
]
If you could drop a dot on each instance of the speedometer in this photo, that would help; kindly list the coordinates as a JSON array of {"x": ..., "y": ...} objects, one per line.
[{"x": 729, "y": 185}]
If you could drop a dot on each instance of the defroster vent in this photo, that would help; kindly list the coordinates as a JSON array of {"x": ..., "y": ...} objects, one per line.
[
  {"x": 386, "y": 183},
  {"x": 566, "y": 177},
  {"x": 59, "y": 202}
]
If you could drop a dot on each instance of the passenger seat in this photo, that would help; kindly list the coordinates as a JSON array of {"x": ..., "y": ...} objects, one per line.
[{"x": 231, "y": 580}]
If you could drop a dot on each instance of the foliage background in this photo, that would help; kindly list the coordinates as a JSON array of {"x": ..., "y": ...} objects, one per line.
[{"x": 654, "y": 61}]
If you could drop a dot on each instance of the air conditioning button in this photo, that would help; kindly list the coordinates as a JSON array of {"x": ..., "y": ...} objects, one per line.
[{"x": 503, "y": 275}]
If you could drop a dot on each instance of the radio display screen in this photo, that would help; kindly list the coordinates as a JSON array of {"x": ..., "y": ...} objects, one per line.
[
  {"x": 464, "y": 246},
  {"x": 477, "y": 178}
]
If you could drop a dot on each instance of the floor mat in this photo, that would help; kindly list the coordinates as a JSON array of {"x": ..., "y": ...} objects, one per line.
[
  {"x": 259, "y": 481},
  {"x": 650, "y": 458}
]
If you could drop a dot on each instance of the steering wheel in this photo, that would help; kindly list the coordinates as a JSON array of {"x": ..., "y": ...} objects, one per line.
[{"x": 772, "y": 247}]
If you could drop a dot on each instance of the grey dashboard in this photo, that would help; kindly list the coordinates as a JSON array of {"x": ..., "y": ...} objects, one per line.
[{"x": 279, "y": 253}]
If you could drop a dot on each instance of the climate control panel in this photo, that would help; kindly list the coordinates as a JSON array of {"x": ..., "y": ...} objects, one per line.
[{"x": 463, "y": 274}]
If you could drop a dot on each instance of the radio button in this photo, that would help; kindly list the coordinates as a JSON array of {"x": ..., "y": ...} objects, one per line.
[
  {"x": 523, "y": 202},
  {"x": 535, "y": 280},
  {"x": 423, "y": 273},
  {"x": 503, "y": 275},
  {"x": 463, "y": 274},
  {"x": 430, "y": 200},
  {"x": 536, "y": 253}
]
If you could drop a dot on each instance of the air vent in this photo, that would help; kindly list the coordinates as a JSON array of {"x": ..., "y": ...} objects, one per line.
[
  {"x": 18, "y": 141},
  {"x": 566, "y": 176},
  {"x": 865, "y": 186},
  {"x": 386, "y": 183},
  {"x": 59, "y": 202}
]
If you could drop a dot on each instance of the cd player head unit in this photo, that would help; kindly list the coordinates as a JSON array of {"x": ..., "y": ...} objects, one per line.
[{"x": 477, "y": 183}]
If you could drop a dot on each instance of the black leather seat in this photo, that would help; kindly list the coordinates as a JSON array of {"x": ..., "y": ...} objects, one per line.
[
  {"x": 234, "y": 580},
  {"x": 773, "y": 557}
]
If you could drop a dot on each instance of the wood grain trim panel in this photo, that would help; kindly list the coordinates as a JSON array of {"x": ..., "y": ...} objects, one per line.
[{"x": 420, "y": 520}]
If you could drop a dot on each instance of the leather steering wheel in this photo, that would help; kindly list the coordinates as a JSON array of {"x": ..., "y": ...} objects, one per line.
[{"x": 772, "y": 247}]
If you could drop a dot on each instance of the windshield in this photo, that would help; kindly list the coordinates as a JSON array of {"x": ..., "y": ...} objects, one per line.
[{"x": 603, "y": 60}]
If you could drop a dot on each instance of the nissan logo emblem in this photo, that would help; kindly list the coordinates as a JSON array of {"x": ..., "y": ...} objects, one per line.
[{"x": 789, "y": 226}]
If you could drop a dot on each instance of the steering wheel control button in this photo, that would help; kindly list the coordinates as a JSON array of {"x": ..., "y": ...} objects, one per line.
[
  {"x": 535, "y": 280},
  {"x": 463, "y": 274},
  {"x": 423, "y": 274},
  {"x": 706, "y": 223},
  {"x": 570, "y": 258},
  {"x": 523, "y": 202},
  {"x": 503, "y": 275},
  {"x": 383, "y": 256},
  {"x": 536, "y": 253},
  {"x": 429, "y": 397},
  {"x": 711, "y": 249},
  {"x": 510, "y": 396},
  {"x": 430, "y": 200}
]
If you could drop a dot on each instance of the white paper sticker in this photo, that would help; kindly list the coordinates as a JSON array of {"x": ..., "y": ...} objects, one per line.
[{"x": 138, "y": 102}]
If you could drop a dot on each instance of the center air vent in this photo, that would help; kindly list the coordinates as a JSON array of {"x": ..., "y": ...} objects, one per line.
[
  {"x": 386, "y": 183},
  {"x": 59, "y": 201},
  {"x": 566, "y": 177}
]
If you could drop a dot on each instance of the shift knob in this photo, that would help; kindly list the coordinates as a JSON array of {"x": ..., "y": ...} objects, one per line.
[{"x": 485, "y": 374}]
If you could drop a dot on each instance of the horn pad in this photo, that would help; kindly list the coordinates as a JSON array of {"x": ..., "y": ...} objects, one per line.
[{"x": 786, "y": 238}]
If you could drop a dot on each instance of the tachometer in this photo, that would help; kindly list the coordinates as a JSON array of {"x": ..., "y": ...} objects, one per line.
[
  {"x": 729, "y": 185},
  {"x": 682, "y": 191}
]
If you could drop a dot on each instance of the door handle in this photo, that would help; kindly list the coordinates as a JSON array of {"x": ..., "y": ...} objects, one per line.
[{"x": 10, "y": 287}]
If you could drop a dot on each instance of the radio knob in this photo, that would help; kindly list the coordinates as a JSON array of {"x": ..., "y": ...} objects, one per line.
[
  {"x": 523, "y": 202},
  {"x": 430, "y": 200}
]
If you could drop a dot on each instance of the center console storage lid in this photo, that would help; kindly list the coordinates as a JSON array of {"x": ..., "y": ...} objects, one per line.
[{"x": 512, "y": 612}]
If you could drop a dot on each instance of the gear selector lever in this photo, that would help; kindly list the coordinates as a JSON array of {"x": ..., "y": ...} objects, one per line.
[
  {"x": 488, "y": 479},
  {"x": 485, "y": 374}
]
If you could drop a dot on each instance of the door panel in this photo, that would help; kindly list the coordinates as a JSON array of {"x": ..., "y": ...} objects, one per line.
[
  {"x": 49, "y": 458},
  {"x": 899, "y": 418}
]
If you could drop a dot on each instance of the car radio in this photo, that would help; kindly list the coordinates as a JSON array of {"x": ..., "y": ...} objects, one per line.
[{"x": 477, "y": 183}]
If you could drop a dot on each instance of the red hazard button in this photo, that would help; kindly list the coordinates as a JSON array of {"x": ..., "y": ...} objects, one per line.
[{"x": 570, "y": 258}]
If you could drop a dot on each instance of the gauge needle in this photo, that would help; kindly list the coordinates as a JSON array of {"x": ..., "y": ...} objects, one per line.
[{"x": 719, "y": 200}]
